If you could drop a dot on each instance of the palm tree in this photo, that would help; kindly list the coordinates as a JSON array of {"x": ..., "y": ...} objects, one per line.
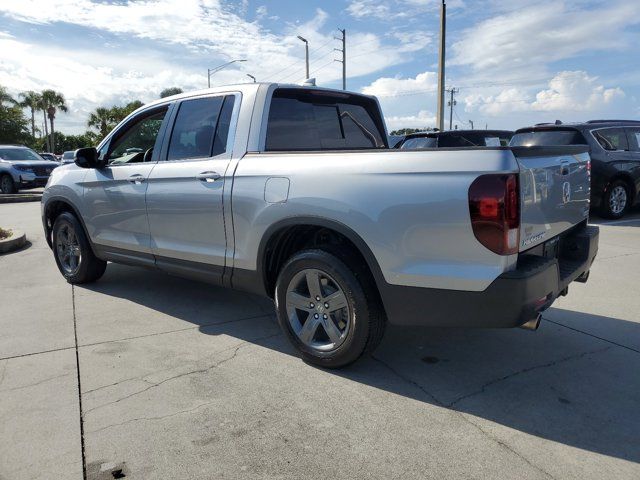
[
  {"x": 5, "y": 97},
  {"x": 52, "y": 100},
  {"x": 32, "y": 101},
  {"x": 101, "y": 120}
]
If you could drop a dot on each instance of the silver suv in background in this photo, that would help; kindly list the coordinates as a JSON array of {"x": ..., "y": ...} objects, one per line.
[
  {"x": 292, "y": 192},
  {"x": 21, "y": 168}
]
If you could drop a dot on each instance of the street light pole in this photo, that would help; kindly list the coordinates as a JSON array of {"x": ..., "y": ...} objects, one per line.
[
  {"x": 211, "y": 71},
  {"x": 306, "y": 50},
  {"x": 251, "y": 77}
]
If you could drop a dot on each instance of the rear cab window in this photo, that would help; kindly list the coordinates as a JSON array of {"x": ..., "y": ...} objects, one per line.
[
  {"x": 556, "y": 137},
  {"x": 316, "y": 120}
]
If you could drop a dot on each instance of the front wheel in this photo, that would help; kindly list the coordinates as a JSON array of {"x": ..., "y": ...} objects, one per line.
[
  {"x": 72, "y": 251},
  {"x": 328, "y": 309},
  {"x": 7, "y": 185},
  {"x": 616, "y": 200}
]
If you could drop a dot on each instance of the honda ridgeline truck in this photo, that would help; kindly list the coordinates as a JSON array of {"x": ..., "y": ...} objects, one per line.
[{"x": 293, "y": 192}]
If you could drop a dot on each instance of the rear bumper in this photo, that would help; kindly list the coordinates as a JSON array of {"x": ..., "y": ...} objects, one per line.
[{"x": 511, "y": 300}]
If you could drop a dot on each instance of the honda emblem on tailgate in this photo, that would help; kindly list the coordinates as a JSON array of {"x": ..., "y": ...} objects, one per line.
[{"x": 566, "y": 192}]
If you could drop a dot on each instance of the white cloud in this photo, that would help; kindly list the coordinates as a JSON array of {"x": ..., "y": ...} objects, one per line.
[
  {"x": 567, "y": 92},
  {"x": 540, "y": 33},
  {"x": 576, "y": 91},
  {"x": 423, "y": 119},
  {"x": 391, "y": 87},
  {"x": 171, "y": 43}
]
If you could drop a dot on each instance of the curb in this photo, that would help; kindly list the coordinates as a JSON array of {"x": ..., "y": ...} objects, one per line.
[
  {"x": 14, "y": 242},
  {"x": 18, "y": 198}
]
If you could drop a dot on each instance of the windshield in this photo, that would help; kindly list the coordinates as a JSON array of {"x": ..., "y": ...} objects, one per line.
[
  {"x": 68, "y": 155},
  {"x": 19, "y": 154},
  {"x": 547, "y": 138}
]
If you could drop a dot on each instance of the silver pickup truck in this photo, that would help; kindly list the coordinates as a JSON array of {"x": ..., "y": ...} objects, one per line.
[{"x": 292, "y": 192}]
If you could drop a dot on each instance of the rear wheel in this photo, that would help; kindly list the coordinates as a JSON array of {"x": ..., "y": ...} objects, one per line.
[
  {"x": 616, "y": 200},
  {"x": 7, "y": 185},
  {"x": 72, "y": 251},
  {"x": 328, "y": 309}
]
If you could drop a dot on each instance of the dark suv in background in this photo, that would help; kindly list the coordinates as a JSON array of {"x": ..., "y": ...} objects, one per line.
[
  {"x": 615, "y": 157},
  {"x": 456, "y": 139}
]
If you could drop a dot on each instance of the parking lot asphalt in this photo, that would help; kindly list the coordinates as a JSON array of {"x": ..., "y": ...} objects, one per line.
[{"x": 178, "y": 379}]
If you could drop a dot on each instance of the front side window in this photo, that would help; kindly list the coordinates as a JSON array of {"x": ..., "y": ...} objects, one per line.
[
  {"x": 135, "y": 142},
  {"x": 318, "y": 120},
  {"x": 611, "y": 138},
  {"x": 201, "y": 128}
]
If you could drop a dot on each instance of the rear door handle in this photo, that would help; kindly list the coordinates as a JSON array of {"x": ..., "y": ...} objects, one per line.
[
  {"x": 137, "y": 179},
  {"x": 208, "y": 176}
]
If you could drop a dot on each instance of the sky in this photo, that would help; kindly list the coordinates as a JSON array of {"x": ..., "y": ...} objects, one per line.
[{"x": 514, "y": 62}]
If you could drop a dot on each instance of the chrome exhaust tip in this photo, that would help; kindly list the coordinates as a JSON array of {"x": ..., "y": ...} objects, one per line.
[{"x": 532, "y": 324}]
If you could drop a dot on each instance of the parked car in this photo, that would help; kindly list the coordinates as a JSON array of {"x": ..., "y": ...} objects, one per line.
[
  {"x": 456, "y": 139},
  {"x": 292, "y": 192},
  {"x": 68, "y": 156},
  {"x": 48, "y": 156},
  {"x": 615, "y": 157},
  {"x": 22, "y": 168}
]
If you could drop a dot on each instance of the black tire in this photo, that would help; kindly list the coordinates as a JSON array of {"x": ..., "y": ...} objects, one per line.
[
  {"x": 89, "y": 267},
  {"x": 608, "y": 207},
  {"x": 7, "y": 185},
  {"x": 366, "y": 315}
]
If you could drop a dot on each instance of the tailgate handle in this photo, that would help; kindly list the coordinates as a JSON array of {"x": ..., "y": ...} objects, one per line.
[
  {"x": 564, "y": 168},
  {"x": 208, "y": 176}
]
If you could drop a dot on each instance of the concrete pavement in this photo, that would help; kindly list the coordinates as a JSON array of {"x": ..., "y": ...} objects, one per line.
[{"x": 183, "y": 380}]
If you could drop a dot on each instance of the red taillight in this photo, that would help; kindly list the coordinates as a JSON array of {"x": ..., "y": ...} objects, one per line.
[{"x": 494, "y": 205}]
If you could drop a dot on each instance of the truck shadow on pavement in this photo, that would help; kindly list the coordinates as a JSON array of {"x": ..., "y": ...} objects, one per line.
[{"x": 556, "y": 384}]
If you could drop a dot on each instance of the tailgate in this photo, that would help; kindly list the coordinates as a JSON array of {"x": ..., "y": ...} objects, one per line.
[{"x": 554, "y": 190}]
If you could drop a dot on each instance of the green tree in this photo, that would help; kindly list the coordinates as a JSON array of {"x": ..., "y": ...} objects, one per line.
[
  {"x": 167, "y": 92},
  {"x": 102, "y": 120},
  {"x": 52, "y": 101},
  {"x": 13, "y": 124},
  {"x": 33, "y": 101}
]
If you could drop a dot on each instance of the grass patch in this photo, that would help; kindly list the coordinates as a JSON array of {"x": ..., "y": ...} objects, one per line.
[{"x": 5, "y": 234}]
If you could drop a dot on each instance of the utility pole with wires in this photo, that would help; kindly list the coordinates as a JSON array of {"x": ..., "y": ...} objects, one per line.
[
  {"x": 344, "y": 56},
  {"x": 452, "y": 103},
  {"x": 441, "y": 58}
]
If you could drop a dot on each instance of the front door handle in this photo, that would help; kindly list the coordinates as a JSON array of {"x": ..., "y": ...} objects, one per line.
[
  {"x": 137, "y": 179},
  {"x": 208, "y": 176}
]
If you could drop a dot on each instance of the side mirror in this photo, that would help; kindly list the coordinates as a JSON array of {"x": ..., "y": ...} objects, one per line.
[{"x": 87, "y": 158}]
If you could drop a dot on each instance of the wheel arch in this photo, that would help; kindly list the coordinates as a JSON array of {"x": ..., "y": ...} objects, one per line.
[
  {"x": 627, "y": 178},
  {"x": 277, "y": 245},
  {"x": 54, "y": 207}
]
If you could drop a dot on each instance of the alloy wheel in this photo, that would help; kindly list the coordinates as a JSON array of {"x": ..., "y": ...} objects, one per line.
[
  {"x": 317, "y": 310},
  {"x": 68, "y": 249},
  {"x": 618, "y": 199}
]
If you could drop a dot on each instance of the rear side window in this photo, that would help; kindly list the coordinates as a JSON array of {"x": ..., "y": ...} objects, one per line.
[
  {"x": 308, "y": 120},
  {"x": 611, "y": 138},
  {"x": 633, "y": 135},
  {"x": 201, "y": 128},
  {"x": 547, "y": 138}
]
